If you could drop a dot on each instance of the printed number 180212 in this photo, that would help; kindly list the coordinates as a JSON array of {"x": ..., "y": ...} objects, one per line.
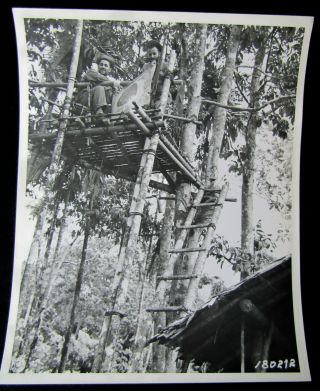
[{"x": 280, "y": 364}]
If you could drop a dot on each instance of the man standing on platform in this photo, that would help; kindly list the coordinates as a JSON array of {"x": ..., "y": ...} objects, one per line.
[{"x": 154, "y": 53}]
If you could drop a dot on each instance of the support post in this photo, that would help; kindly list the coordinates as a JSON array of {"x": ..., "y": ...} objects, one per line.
[
  {"x": 167, "y": 82},
  {"x": 121, "y": 282},
  {"x": 242, "y": 345}
]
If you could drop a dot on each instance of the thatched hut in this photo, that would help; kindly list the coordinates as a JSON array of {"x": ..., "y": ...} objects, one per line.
[{"x": 241, "y": 327}]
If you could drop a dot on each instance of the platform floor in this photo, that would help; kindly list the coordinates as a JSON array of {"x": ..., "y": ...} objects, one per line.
[{"x": 114, "y": 149}]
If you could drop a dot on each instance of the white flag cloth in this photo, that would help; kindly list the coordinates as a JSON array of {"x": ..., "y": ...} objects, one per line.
[{"x": 138, "y": 91}]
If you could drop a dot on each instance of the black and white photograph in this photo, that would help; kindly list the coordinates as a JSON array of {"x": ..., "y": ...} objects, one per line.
[{"x": 157, "y": 219}]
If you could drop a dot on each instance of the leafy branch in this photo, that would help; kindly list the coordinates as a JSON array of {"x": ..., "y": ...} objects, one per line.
[{"x": 250, "y": 109}]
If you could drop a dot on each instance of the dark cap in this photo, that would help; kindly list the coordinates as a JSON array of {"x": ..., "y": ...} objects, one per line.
[
  {"x": 103, "y": 56},
  {"x": 153, "y": 44}
]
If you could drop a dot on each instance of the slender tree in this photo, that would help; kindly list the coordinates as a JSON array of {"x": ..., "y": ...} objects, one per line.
[
  {"x": 247, "y": 225},
  {"x": 75, "y": 300},
  {"x": 217, "y": 125}
]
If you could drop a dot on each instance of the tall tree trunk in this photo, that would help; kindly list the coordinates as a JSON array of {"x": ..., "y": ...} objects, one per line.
[
  {"x": 51, "y": 234},
  {"x": 220, "y": 114},
  {"x": 29, "y": 273},
  {"x": 53, "y": 169},
  {"x": 166, "y": 267},
  {"x": 183, "y": 74},
  {"x": 212, "y": 160},
  {"x": 56, "y": 264},
  {"x": 188, "y": 146},
  {"x": 76, "y": 295},
  {"x": 136, "y": 361},
  {"x": 54, "y": 270},
  {"x": 247, "y": 225},
  {"x": 36, "y": 294},
  {"x": 188, "y": 141}
]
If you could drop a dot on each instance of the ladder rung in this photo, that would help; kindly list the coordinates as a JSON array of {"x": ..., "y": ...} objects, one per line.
[
  {"x": 91, "y": 212},
  {"x": 187, "y": 250},
  {"x": 149, "y": 235},
  {"x": 214, "y": 190},
  {"x": 205, "y": 204},
  {"x": 166, "y": 198},
  {"x": 167, "y": 309},
  {"x": 231, "y": 199},
  {"x": 115, "y": 312},
  {"x": 193, "y": 226},
  {"x": 177, "y": 277}
]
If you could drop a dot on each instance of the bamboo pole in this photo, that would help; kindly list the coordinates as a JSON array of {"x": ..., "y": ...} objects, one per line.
[
  {"x": 167, "y": 309},
  {"x": 170, "y": 150},
  {"x": 67, "y": 101},
  {"x": 129, "y": 251},
  {"x": 204, "y": 204},
  {"x": 140, "y": 338},
  {"x": 175, "y": 155},
  {"x": 242, "y": 345},
  {"x": 184, "y": 119},
  {"x": 167, "y": 82},
  {"x": 249, "y": 109},
  {"x": 267, "y": 344},
  {"x": 171, "y": 147},
  {"x": 179, "y": 163},
  {"x": 155, "y": 78},
  {"x": 187, "y": 250},
  {"x": 94, "y": 131},
  {"x": 75, "y": 300},
  {"x": 111, "y": 116},
  {"x": 176, "y": 277},
  {"x": 193, "y": 226},
  {"x": 123, "y": 83},
  {"x": 76, "y": 84}
]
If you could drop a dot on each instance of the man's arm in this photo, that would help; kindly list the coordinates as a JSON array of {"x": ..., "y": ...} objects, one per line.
[{"x": 96, "y": 77}]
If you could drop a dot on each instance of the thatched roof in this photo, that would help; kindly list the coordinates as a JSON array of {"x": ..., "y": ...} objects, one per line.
[{"x": 212, "y": 333}]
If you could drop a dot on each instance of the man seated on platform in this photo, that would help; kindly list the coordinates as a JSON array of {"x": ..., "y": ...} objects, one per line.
[
  {"x": 154, "y": 51},
  {"x": 99, "y": 97}
]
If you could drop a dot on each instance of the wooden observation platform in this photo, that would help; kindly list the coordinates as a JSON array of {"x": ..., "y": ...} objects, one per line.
[{"x": 115, "y": 144}]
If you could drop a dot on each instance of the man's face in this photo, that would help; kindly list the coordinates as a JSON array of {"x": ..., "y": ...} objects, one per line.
[
  {"x": 153, "y": 54},
  {"x": 104, "y": 67}
]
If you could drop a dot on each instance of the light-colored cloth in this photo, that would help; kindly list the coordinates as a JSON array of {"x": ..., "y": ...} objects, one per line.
[
  {"x": 137, "y": 91},
  {"x": 164, "y": 72}
]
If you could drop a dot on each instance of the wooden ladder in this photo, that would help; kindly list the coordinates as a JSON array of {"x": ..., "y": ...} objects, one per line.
[{"x": 201, "y": 250}]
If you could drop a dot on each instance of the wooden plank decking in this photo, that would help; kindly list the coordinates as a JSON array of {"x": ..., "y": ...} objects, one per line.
[{"x": 115, "y": 148}]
